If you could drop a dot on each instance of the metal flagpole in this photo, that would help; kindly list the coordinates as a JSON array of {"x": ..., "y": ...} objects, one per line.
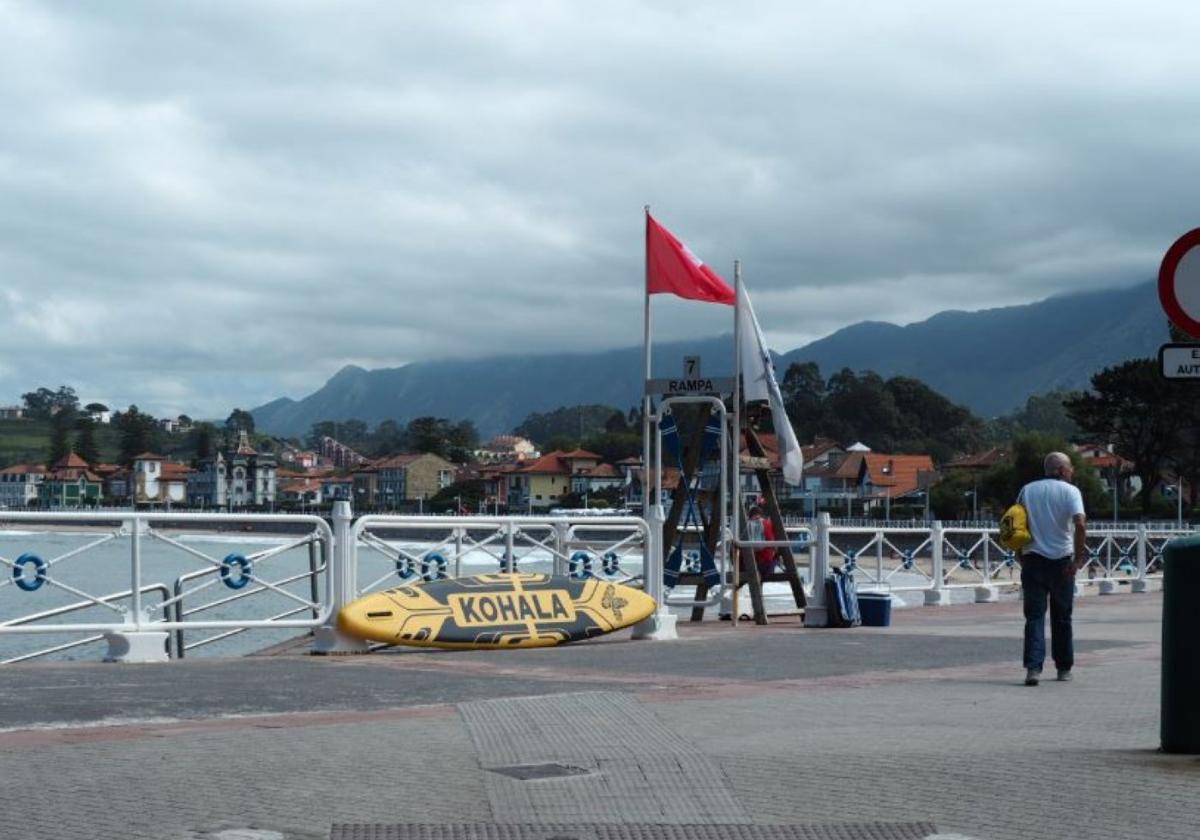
[
  {"x": 661, "y": 625},
  {"x": 737, "y": 436}
]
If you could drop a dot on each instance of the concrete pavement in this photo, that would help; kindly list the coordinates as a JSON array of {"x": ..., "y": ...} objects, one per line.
[{"x": 925, "y": 722}]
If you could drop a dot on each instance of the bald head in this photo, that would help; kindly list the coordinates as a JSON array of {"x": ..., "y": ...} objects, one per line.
[{"x": 1056, "y": 465}]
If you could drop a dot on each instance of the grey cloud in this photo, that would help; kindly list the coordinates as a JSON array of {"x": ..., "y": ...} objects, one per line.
[{"x": 209, "y": 205}]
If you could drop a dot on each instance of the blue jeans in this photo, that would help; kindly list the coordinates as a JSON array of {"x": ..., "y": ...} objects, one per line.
[{"x": 1045, "y": 579}]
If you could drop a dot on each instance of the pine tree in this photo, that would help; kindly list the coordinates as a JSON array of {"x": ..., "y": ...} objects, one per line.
[
  {"x": 85, "y": 443},
  {"x": 60, "y": 442}
]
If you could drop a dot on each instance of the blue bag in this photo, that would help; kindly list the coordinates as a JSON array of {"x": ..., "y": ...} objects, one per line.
[{"x": 841, "y": 596}]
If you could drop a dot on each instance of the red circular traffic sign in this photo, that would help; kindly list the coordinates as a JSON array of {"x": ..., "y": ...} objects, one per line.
[{"x": 1179, "y": 283}]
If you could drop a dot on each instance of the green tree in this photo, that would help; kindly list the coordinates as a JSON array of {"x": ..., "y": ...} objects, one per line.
[
  {"x": 138, "y": 433},
  {"x": 239, "y": 421},
  {"x": 613, "y": 446},
  {"x": 616, "y": 423},
  {"x": 577, "y": 422},
  {"x": 804, "y": 393},
  {"x": 1132, "y": 407},
  {"x": 43, "y": 402},
  {"x": 441, "y": 437},
  {"x": 60, "y": 439},
  {"x": 85, "y": 443},
  {"x": 388, "y": 438},
  {"x": 1000, "y": 485},
  {"x": 203, "y": 442}
]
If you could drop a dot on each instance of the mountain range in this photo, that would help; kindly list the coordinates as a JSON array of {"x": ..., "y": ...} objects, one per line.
[{"x": 989, "y": 360}]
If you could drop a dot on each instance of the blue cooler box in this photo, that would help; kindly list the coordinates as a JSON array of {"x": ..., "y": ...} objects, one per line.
[{"x": 876, "y": 608}]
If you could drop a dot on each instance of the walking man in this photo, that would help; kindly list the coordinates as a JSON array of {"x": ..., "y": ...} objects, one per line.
[{"x": 1049, "y": 563}]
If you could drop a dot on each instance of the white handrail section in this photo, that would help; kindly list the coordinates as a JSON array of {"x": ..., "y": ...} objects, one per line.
[
  {"x": 434, "y": 547},
  {"x": 235, "y": 570}
]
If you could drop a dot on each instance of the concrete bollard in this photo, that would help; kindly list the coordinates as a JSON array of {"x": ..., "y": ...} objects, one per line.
[{"x": 1180, "y": 636}]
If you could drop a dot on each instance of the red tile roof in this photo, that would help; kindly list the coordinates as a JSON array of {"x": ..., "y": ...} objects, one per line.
[
  {"x": 148, "y": 456},
  {"x": 71, "y": 461},
  {"x": 602, "y": 471},
  {"x": 392, "y": 462},
  {"x": 897, "y": 475},
  {"x": 582, "y": 454},
  {"x": 549, "y": 464},
  {"x": 850, "y": 466},
  {"x": 979, "y": 460},
  {"x": 24, "y": 469}
]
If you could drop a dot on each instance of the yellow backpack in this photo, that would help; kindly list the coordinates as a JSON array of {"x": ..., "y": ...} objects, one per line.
[{"x": 1014, "y": 528}]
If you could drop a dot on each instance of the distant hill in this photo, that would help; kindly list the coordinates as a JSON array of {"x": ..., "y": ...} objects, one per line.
[
  {"x": 990, "y": 361},
  {"x": 497, "y": 393}
]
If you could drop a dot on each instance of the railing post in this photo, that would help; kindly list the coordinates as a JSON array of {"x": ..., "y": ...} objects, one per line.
[
  {"x": 136, "y": 644},
  {"x": 561, "y": 541},
  {"x": 459, "y": 534},
  {"x": 329, "y": 639},
  {"x": 1141, "y": 583},
  {"x": 985, "y": 593},
  {"x": 661, "y": 625},
  {"x": 879, "y": 558},
  {"x": 816, "y": 611},
  {"x": 938, "y": 596},
  {"x": 509, "y": 555}
]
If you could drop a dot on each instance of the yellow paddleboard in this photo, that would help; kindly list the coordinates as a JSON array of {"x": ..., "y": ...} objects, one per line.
[{"x": 495, "y": 611}]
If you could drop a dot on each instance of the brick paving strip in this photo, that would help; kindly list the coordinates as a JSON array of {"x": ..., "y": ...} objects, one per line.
[{"x": 568, "y": 831}]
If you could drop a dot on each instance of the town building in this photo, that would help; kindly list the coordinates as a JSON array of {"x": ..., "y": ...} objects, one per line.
[
  {"x": 236, "y": 477},
  {"x": 12, "y": 412},
  {"x": 506, "y": 448},
  {"x": 69, "y": 483},
  {"x": 155, "y": 480},
  {"x": 395, "y": 480},
  {"x": 337, "y": 488},
  {"x": 19, "y": 485},
  {"x": 302, "y": 491},
  {"x": 339, "y": 455},
  {"x": 543, "y": 483}
]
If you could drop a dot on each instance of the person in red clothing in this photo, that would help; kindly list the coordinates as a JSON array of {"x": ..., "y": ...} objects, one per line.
[{"x": 762, "y": 529}]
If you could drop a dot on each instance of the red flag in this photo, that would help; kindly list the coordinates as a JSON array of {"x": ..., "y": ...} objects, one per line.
[{"x": 673, "y": 269}]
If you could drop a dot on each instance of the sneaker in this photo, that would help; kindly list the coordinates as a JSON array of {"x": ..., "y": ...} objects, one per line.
[
  {"x": 1031, "y": 677},
  {"x": 1064, "y": 676}
]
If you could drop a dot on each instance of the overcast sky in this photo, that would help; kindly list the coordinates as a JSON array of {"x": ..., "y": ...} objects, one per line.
[{"x": 209, "y": 205}]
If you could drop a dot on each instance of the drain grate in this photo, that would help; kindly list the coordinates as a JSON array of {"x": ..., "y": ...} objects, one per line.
[
  {"x": 530, "y": 772},
  {"x": 599, "y": 831}
]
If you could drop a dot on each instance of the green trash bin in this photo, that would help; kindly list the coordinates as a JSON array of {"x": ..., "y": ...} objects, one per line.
[{"x": 1181, "y": 647}]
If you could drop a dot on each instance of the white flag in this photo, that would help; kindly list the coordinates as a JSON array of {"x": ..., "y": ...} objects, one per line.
[{"x": 758, "y": 383}]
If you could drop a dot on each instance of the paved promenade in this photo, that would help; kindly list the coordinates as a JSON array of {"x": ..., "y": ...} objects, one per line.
[{"x": 922, "y": 724}]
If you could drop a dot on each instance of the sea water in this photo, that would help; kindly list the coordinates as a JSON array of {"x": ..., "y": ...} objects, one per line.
[{"x": 96, "y": 563}]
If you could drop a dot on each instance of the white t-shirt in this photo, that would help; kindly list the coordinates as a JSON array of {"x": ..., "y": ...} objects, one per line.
[{"x": 1052, "y": 505}]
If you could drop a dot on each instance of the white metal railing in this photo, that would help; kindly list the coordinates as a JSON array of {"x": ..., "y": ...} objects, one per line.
[
  {"x": 108, "y": 546},
  {"x": 423, "y": 548},
  {"x": 945, "y": 558},
  {"x": 232, "y": 592}
]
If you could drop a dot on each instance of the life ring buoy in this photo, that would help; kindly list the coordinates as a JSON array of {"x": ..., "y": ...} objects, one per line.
[
  {"x": 611, "y": 563},
  {"x": 39, "y": 572},
  {"x": 433, "y": 567},
  {"x": 404, "y": 568},
  {"x": 579, "y": 567},
  {"x": 245, "y": 570}
]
